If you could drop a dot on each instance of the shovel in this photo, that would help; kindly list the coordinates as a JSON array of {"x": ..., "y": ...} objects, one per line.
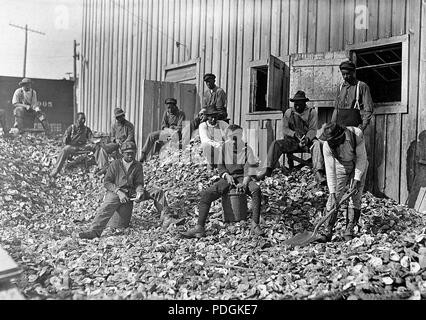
[{"x": 307, "y": 237}]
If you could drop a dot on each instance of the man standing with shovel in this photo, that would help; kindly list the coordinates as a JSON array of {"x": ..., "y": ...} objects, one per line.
[{"x": 346, "y": 162}]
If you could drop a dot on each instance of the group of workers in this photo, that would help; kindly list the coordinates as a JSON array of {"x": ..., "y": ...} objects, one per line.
[{"x": 338, "y": 151}]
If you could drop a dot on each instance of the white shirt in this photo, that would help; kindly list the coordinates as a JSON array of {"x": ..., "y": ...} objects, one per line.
[{"x": 210, "y": 134}]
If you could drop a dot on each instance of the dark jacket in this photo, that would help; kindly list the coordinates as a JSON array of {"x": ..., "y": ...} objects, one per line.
[
  {"x": 77, "y": 136},
  {"x": 116, "y": 177},
  {"x": 123, "y": 132}
]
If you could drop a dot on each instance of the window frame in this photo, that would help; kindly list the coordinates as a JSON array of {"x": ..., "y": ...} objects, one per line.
[{"x": 397, "y": 106}]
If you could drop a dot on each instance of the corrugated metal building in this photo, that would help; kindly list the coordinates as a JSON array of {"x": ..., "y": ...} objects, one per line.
[
  {"x": 55, "y": 98},
  {"x": 262, "y": 51}
]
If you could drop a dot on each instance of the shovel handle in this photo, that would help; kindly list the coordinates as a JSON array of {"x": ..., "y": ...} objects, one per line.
[{"x": 342, "y": 200}]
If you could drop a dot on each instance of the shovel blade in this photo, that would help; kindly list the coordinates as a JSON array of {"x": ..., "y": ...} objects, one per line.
[
  {"x": 302, "y": 239},
  {"x": 299, "y": 238}
]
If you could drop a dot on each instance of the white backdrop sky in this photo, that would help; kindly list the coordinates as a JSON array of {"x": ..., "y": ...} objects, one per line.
[{"x": 48, "y": 56}]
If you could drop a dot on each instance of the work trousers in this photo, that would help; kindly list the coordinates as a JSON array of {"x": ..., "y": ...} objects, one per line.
[
  {"x": 21, "y": 113},
  {"x": 291, "y": 145},
  {"x": 344, "y": 175},
  {"x": 221, "y": 188},
  {"x": 102, "y": 152},
  {"x": 213, "y": 155},
  {"x": 112, "y": 203},
  {"x": 65, "y": 153}
]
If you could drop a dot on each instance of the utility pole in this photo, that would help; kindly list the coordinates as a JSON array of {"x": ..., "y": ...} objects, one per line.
[
  {"x": 26, "y": 42},
  {"x": 76, "y": 57}
]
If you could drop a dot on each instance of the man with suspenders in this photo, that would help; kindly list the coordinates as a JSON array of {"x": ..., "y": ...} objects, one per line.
[
  {"x": 353, "y": 105},
  {"x": 26, "y": 105}
]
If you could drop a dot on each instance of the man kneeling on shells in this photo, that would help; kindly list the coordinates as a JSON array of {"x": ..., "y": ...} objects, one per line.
[
  {"x": 238, "y": 168},
  {"x": 123, "y": 180},
  {"x": 346, "y": 162}
]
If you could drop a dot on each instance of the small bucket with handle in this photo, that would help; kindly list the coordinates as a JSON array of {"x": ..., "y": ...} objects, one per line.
[{"x": 234, "y": 205}]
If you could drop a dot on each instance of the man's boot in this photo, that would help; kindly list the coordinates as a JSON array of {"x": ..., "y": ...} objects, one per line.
[
  {"x": 196, "y": 232},
  {"x": 328, "y": 234},
  {"x": 350, "y": 224}
]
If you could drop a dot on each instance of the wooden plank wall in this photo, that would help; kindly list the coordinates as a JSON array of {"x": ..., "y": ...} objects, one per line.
[{"x": 125, "y": 41}]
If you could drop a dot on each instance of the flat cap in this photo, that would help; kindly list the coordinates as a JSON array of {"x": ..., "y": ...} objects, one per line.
[
  {"x": 170, "y": 101},
  {"x": 24, "y": 81},
  {"x": 209, "y": 76},
  {"x": 347, "y": 65},
  {"x": 129, "y": 145}
]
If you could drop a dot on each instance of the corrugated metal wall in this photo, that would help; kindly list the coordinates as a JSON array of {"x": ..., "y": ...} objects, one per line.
[{"x": 125, "y": 41}]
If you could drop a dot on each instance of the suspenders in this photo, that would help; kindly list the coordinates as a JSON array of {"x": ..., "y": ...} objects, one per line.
[{"x": 356, "y": 95}]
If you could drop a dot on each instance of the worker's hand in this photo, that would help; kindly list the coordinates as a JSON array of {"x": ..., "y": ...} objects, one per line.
[
  {"x": 139, "y": 197},
  {"x": 245, "y": 183},
  {"x": 229, "y": 179},
  {"x": 355, "y": 186},
  {"x": 28, "y": 107},
  {"x": 123, "y": 197},
  {"x": 332, "y": 202}
]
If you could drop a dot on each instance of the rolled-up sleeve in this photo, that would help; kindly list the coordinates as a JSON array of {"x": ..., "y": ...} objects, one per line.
[
  {"x": 361, "y": 155},
  {"x": 368, "y": 105},
  {"x": 286, "y": 130},
  {"x": 330, "y": 168},
  {"x": 313, "y": 125}
]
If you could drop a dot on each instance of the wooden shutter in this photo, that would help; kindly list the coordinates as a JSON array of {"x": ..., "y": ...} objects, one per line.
[
  {"x": 318, "y": 75},
  {"x": 276, "y": 82}
]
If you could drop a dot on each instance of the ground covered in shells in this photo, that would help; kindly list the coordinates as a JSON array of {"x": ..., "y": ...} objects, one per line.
[{"x": 40, "y": 219}]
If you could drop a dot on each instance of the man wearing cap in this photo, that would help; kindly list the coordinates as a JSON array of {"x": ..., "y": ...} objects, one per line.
[
  {"x": 299, "y": 127},
  {"x": 345, "y": 163},
  {"x": 212, "y": 135},
  {"x": 171, "y": 126},
  {"x": 215, "y": 96},
  {"x": 354, "y": 105},
  {"x": 25, "y": 102},
  {"x": 237, "y": 169},
  {"x": 123, "y": 181},
  {"x": 77, "y": 138},
  {"x": 122, "y": 131}
]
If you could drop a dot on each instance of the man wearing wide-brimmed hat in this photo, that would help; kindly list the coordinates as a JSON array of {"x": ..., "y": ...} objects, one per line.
[
  {"x": 299, "y": 128},
  {"x": 346, "y": 164},
  {"x": 212, "y": 135},
  {"x": 26, "y": 105},
  {"x": 124, "y": 182},
  {"x": 216, "y": 96},
  {"x": 122, "y": 131},
  {"x": 171, "y": 127},
  {"x": 353, "y": 105}
]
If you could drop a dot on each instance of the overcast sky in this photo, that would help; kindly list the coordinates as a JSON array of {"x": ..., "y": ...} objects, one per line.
[{"x": 48, "y": 56}]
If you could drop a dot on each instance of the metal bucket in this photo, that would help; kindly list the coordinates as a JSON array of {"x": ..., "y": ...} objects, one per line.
[
  {"x": 121, "y": 217},
  {"x": 234, "y": 205}
]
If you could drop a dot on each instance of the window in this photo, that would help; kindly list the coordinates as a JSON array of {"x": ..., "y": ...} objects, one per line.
[
  {"x": 260, "y": 88},
  {"x": 382, "y": 64},
  {"x": 267, "y": 85}
]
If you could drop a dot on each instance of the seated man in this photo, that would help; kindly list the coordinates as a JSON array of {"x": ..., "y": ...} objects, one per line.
[
  {"x": 170, "y": 127},
  {"x": 3, "y": 123},
  {"x": 216, "y": 96},
  {"x": 76, "y": 139},
  {"x": 345, "y": 163},
  {"x": 26, "y": 105},
  {"x": 122, "y": 131},
  {"x": 123, "y": 180},
  {"x": 212, "y": 134},
  {"x": 237, "y": 168},
  {"x": 299, "y": 128}
]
